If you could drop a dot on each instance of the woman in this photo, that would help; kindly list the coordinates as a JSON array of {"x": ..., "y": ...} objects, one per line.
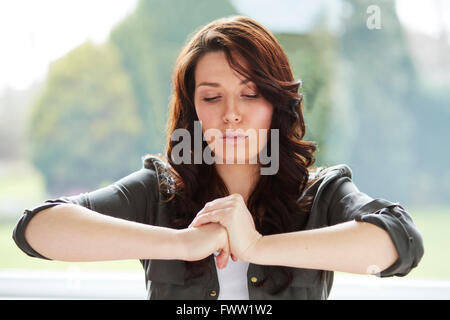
[{"x": 226, "y": 229}]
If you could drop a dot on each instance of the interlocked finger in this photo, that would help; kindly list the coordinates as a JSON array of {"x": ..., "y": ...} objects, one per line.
[{"x": 207, "y": 217}]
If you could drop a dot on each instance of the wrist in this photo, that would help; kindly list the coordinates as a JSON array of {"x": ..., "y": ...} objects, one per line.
[
  {"x": 180, "y": 247},
  {"x": 187, "y": 244},
  {"x": 253, "y": 250}
]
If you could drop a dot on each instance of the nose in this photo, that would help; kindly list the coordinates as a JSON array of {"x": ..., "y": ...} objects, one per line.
[{"x": 232, "y": 114}]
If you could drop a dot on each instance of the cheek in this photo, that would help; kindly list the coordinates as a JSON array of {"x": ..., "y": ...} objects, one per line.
[
  {"x": 206, "y": 117},
  {"x": 261, "y": 117}
]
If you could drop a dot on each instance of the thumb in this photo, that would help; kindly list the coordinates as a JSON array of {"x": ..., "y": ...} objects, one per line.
[
  {"x": 222, "y": 258},
  {"x": 225, "y": 252}
]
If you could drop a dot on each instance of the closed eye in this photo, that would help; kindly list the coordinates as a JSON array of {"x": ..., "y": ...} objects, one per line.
[
  {"x": 210, "y": 99},
  {"x": 250, "y": 96}
]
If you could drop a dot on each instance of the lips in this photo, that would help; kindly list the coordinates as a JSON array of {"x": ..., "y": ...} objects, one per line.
[
  {"x": 234, "y": 135},
  {"x": 234, "y": 138}
]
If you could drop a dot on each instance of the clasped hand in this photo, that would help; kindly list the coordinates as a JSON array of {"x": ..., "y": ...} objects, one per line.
[{"x": 232, "y": 214}]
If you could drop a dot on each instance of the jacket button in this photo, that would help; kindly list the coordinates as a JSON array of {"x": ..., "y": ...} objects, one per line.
[
  {"x": 254, "y": 279},
  {"x": 213, "y": 293}
]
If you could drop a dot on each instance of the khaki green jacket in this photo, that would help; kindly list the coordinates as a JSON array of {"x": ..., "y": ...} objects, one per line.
[{"x": 336, "y": 199}]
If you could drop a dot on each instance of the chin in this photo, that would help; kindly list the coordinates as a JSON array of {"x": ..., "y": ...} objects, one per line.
[
  {"x": 234, "y": 159},
  {"x": 236, "y": 155}
]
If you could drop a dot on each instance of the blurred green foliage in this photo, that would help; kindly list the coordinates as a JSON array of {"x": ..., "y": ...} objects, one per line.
[
  {"x": 311, "y": 57},
  {"x": 377, "y": 77},
  {"x": 85, "y": 125},
  {"x": 388, "y": 125}
]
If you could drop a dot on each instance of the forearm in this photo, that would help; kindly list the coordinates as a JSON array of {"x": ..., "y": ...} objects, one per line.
[
  {"x": 355, "y": 247},
  {"x": 73, "y": 233}
]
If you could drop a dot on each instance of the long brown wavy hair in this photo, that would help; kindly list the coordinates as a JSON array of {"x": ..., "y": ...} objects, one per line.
[{"x": 276, "y": 198}]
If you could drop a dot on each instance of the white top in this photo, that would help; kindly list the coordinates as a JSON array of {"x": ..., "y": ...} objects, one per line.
[{"x": 233, "y": 280}]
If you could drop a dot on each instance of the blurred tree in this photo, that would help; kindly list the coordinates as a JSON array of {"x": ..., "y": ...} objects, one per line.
[
  {"x": 149, "y": 41},
  {"x": 431, "y": 178},
  {"x": 14, "y": 105},
  {"x": 376, "y": 81},
  {"x": 311, "y": 57},
  {"x": 10, "y": 126},
  {"x": 84, "y": 127}
]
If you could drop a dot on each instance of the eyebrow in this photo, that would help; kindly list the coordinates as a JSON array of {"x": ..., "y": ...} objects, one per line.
[{"x": 215, "y": 84}]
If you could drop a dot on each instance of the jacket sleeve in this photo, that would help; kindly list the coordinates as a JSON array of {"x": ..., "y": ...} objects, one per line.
[
  {"x": 129, "y": 198},
  {"x": 347, "y": 203}
]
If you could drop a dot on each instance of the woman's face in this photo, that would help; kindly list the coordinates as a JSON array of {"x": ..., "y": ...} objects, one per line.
[{"x": 232, "y": 105}]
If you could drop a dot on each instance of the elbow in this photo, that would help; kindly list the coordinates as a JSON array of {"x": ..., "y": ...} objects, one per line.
[
  {"x": 409, "y": 248},
  {"x": 386, "y": 253},
  {"x": 22, "y": 240},
  {"x": 408, "y": 259},
  {"x": 26, "y": 233},
  {"x": 406, "y": 243},
  {"x": 388, "y": 261}
]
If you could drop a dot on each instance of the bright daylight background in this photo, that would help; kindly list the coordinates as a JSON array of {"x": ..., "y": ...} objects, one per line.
[{"x": 83, "y": 83}]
